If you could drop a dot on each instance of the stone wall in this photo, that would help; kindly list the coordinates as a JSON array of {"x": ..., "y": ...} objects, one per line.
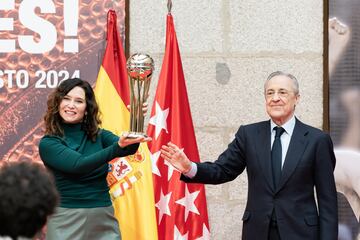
[{"x": 228, "y": 49}]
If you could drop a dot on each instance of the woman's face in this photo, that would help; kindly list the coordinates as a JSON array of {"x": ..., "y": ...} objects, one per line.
[{"x": 73, "y": 105}]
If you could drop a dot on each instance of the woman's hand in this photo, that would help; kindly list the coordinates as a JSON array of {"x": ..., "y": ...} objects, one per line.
[
  {"x": 124, "y": 140},
  {"x": 176, "y": 157}
]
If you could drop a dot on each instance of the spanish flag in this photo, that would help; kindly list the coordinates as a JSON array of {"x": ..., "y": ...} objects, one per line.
[{"x": 129, "y": 178}]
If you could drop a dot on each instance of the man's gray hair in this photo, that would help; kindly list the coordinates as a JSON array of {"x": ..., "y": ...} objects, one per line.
[{"x": 280, "y": 73}]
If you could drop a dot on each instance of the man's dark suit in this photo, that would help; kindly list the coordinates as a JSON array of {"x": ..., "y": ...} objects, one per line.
[{"x": 309, "y": 162}]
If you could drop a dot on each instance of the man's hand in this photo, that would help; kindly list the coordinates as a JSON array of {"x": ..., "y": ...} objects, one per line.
[
  {"x": 125, "y": 141},
  {"x": 176, "y": 157}
]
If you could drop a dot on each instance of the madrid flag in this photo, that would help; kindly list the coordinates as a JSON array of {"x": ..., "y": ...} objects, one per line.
[
  {"x": 129, "y": 178},
  {"x": 180, "y": 208}
]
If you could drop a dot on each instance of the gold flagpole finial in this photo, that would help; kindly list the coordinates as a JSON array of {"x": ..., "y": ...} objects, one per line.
[{"x": 169, "y": 6}]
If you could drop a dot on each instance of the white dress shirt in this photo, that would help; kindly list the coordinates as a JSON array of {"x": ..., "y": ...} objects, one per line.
[{"x": 285, "y": 137}]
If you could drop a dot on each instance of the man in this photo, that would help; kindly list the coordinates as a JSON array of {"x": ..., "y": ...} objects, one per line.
[
  {"x": 27, "y": 197},
  {"x": 282, "y": 168}
]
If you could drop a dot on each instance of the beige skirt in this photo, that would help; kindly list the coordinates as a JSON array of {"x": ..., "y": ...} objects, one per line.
[{"x": 83, "y": 224}]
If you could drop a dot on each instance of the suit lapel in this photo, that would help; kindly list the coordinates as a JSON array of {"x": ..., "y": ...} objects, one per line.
[
  {"x": 296, "y": 148},
  {"x": 263, "y": 151}
]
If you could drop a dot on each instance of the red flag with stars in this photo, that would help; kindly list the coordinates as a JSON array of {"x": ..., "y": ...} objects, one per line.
[{"x": 180, "y": 207}]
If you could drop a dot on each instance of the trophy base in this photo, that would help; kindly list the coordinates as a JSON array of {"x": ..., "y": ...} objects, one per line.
[{"x": 136, "y": 135}]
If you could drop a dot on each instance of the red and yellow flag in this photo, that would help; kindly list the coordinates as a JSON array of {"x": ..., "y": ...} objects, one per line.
[
  {"x": 181, "y": 208},
  {"x": 130, "y": 178}
]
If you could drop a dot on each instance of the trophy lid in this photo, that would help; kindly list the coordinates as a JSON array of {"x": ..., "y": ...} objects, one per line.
[{"x": 140, "y": 65}]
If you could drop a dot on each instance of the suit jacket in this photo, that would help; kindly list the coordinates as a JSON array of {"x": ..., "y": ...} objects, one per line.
[{"x": 309, "y": 163}]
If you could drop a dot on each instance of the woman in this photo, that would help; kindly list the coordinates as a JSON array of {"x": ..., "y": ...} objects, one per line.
[{"x": 77, "y": 151}]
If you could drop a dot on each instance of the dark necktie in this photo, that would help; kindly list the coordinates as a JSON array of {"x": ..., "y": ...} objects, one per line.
[{"x": 276, "y": 153}]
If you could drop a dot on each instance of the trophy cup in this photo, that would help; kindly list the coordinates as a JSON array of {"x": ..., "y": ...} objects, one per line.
[{"x": 139, "y": 68}]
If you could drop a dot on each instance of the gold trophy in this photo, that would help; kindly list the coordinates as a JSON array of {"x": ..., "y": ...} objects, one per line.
[{"x": 139, "y": 68}]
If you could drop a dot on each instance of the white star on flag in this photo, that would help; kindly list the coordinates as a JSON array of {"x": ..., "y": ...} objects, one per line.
[
  {"x": 170, "y": 169},
  {"x": 189, "y": 202},
  {"x": 206, "y": 234},
  {"x": 163, "y": 205},
  {"x": 154, "y": 159},
  {"x": 159, "y": 119},
  {"x": 178, "y": 235}
]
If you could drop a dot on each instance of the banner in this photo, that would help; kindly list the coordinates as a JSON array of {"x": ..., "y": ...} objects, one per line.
[
  {"x": 344, "y": 80},
  {"x": 41, "y": 44}
]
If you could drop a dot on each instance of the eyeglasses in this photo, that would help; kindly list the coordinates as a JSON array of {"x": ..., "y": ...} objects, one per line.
[{"x": 282, "y": 93}]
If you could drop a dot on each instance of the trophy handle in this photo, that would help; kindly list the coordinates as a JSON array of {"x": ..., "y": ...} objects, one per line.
[{"x": 132, "y": 105}]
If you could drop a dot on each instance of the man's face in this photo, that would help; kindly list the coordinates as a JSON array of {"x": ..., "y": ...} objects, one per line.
[{"x": 280, "y": 98}]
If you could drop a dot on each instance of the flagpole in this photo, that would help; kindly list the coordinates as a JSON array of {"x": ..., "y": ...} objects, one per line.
[{"x": 169, "y": 6}]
